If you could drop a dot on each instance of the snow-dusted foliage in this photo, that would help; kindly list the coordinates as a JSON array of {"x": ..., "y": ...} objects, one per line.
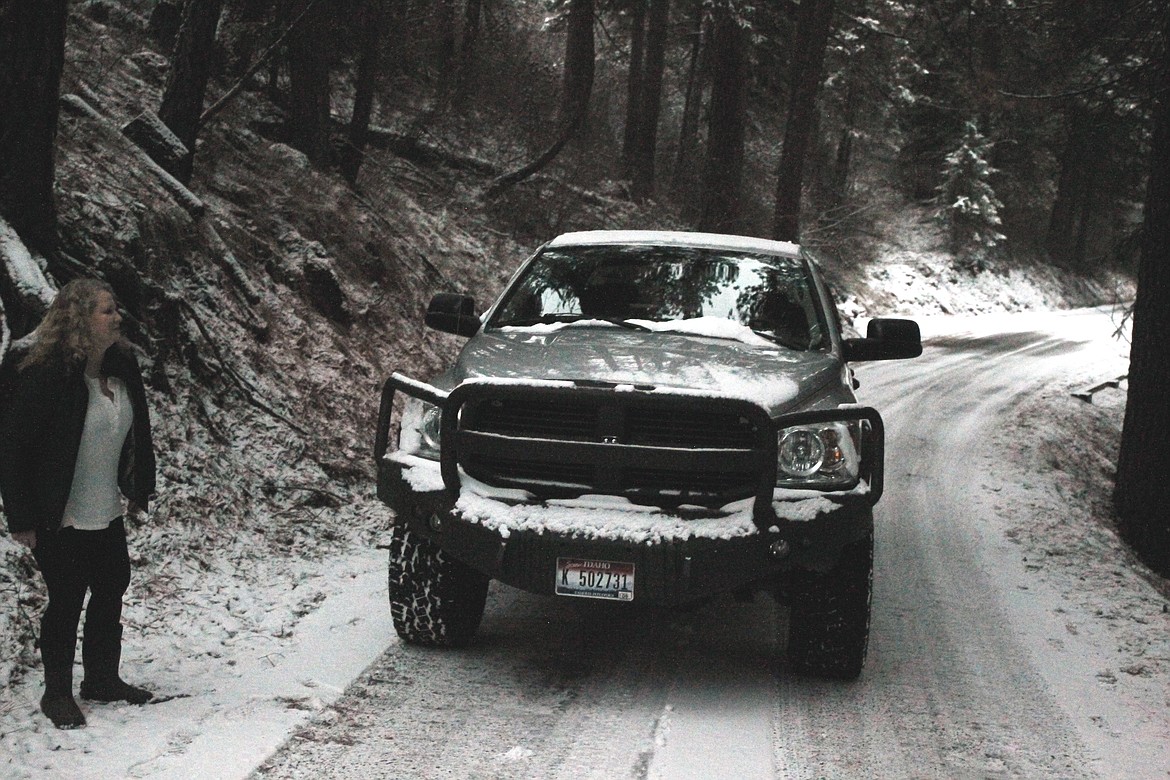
[{"x": 968, "y": 203}]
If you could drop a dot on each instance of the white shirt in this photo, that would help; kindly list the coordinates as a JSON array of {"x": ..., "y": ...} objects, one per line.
[{"x": 94, "y": 499}]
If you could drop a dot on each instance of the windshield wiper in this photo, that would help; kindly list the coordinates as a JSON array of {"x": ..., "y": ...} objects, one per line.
[
  {"x": 544, "y": 319},
  {"x": 775, "y": 338},
  {"x": 549, "y": 319},
  {"x": 628, "y": 324}
]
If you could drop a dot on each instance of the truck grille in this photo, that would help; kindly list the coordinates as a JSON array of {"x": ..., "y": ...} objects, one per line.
[
  {"x": 652, "y": 448},
  {"x": 663, "y": 428},
  {"x": 537, "y": 419}
]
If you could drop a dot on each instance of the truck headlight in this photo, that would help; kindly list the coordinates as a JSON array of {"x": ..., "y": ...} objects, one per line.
[
  {"x": 819, "y": 455},
  {"x": 419, "y": 434}
]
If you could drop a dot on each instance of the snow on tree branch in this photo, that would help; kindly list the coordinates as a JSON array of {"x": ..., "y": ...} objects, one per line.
[{"x": 22, "y": 274}]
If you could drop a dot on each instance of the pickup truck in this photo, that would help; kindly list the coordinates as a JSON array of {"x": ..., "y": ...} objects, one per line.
[{"x": 643, "y": 417}]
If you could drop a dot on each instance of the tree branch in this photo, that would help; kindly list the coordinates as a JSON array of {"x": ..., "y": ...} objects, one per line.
[{"x": 235, "y": 89}]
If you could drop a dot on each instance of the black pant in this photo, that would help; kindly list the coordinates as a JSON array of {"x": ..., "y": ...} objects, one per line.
[{"x": 73, "y": 562}]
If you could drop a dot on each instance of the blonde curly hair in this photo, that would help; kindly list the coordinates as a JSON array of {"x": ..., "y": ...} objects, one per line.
[{"x": 64, "y": 333}]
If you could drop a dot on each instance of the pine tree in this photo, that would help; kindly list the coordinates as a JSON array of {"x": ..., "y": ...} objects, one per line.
[{"x": 969, "y": 206}]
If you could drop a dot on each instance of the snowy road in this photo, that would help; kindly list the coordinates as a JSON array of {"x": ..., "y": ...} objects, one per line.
[
  {"x": 981, "y": 665},
  {"x": 1012, "y": 637}
]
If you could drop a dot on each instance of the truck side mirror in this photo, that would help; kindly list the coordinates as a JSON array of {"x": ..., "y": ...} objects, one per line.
[
  {"x": 453, "y": 313},
  {"x": 885, "y": 339}
]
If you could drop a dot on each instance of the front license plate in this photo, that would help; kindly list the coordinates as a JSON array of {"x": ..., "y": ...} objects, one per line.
[{"x": 595, "y": 579}]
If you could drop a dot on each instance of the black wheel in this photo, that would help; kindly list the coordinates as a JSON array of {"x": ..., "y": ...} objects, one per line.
[
  {"x": 435, "y": 600},
  {"x": 828, "y": 626}
]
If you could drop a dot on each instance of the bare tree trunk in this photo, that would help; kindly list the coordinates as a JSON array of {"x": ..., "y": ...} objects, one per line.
[
  {"x": 182, "y": 100},
  {"x": 843, "y": 158},
  {"x": 32, "y": 55},
  {"x": 445, "y": 9},
  {"x": 814, "y": 22},
  {"x": 1144, "y": 460},
  {"x": 646, "y": 143},
  {"x": 308, "y": 65},
  {"x": 578, "y": 86},
  {"x": 1083, "y": 163},
  {"x": 634, "y": 82},
  {"x": 241, "y": 22},
  {"x": 266, "y": 58},
  {"x": 472, "y": 23},
  {"x": 579, "y": 59},
  {"x": 682, "y": 179},
  {"x": 371, "y": 24},
  {"x": 720, "y": 207}
]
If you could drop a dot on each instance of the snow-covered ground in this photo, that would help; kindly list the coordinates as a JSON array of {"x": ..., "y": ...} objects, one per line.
[
  {"x": 1011, "y": 638},
  {"x": 244, "y": 651},
  {"x": 234, "y": 682}
]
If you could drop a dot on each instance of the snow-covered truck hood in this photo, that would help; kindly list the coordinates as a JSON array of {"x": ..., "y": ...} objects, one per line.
[{"x": 738, "y": 365}]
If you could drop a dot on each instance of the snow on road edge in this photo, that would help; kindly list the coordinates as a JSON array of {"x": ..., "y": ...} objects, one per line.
[
  {"x": 234, "y": 706},
  {"x": 278, "y": 646}
]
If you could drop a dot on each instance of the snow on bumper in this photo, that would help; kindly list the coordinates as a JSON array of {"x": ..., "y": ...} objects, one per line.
[
  {"x": 678, "y": 559},
  {"x": 610, "y": 517},
  {"x": 680, "y": 553}
]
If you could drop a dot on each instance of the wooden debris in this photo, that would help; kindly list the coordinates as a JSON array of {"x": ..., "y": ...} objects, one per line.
[{"x": 1087, "y": 394}]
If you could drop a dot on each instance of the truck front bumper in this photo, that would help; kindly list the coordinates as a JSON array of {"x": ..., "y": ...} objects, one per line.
[{"x": 670, "y": 568}]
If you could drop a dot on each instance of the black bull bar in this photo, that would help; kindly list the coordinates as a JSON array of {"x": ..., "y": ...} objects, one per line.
[{"x": 762, "y": 455}]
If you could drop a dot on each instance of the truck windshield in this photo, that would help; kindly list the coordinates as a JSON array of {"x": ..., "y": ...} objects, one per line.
[{"x": 625, "y": 285}]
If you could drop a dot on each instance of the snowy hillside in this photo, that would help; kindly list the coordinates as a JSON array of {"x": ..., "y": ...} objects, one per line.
[{"x": 268, "y": 323}]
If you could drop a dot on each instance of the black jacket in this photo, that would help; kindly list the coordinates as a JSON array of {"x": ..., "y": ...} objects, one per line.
[{"x": 41, "y": 424}]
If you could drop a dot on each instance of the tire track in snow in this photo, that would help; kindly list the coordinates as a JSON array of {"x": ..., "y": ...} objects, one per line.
[
  {"x": 574, "y": 691},
  {"x": 949, "y": 690}
]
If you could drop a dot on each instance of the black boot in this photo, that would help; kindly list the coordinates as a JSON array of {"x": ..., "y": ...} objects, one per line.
[
  {"x": 57, "y": 703},
  {"x": 102, "y": 681},
  {"x": 115, "y": 689}
]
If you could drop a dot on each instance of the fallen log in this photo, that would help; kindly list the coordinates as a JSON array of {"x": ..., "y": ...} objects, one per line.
[
  {"x": 228, "y": 262},
  {"x": 185, "y": 198},
  {"x": 5, "y": 333},
  {"x": 158, "y": 141},
  {"x": 21, "y": 275},
  {"x": 411, "y": 148}
]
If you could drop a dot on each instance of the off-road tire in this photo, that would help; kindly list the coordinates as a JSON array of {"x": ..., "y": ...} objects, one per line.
[
  {"x": 435, "y": 600},
  {"x": 828, "y": 626}
]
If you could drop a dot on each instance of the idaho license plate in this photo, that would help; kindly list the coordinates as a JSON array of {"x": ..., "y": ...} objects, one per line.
[{"x": 595, "y": 579}]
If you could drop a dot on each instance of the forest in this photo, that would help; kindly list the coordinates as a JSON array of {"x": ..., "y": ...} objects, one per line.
[{"x": 228, "y": 163}]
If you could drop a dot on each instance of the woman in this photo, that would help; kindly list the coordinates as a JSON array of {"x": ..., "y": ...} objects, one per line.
[{"x": 75, "y": 456}]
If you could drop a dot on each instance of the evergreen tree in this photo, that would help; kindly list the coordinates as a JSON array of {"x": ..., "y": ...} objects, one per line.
[{"x": 969, "y": 206}]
